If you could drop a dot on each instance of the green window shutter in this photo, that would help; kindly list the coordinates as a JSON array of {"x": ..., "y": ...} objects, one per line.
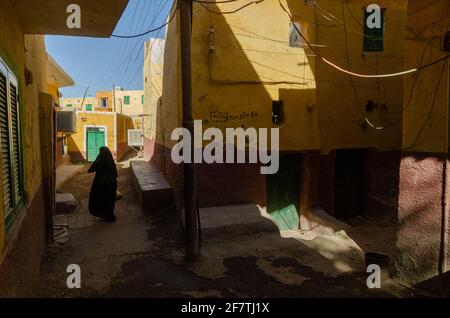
[
  {"x": 5, "y": 151},
  {"x": 126, "y": 100},
  {"x": 373, "y": 38},
  {"x": 15, "y": 145},
  {"x": 10, "y": 146},
  {"x": 69, "y": 105},
  {"x": 142, "y": 99},
  {"x": 89, "y": 107}
]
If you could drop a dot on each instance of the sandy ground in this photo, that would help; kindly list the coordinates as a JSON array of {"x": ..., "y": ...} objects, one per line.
[{"x": 141, "y": 255}]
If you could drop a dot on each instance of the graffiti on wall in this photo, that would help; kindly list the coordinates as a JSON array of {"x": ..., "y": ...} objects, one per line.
[{"x": 226, "y": 117}]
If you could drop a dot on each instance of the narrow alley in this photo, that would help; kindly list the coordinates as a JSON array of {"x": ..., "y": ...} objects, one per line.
[
  {"x": 142, "y": 255},
  {"x": 225, "y": 149}
]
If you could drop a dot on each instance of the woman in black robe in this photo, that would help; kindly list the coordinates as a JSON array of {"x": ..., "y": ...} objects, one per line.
[{"x": 102, "y": 198}]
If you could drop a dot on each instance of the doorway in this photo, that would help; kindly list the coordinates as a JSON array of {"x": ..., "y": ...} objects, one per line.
[
  {"x": 283, "y": 192},
  {"x": 349, "y": 184},
  {"x": 95, "y": 139}
]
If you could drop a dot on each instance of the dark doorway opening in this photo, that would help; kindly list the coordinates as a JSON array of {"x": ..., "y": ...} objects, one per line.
[{"x": 349, "y": 184}]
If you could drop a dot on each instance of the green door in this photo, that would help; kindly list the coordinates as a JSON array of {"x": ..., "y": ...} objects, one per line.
[
  {"x": 95, "y": 140},
  {"x": 283, "y": 193}
]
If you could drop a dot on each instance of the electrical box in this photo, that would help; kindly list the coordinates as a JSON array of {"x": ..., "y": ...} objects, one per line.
[{"x": 66, "y": 122}]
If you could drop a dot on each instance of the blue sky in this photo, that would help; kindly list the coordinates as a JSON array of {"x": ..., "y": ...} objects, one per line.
[{"x": 100, "y": 63}]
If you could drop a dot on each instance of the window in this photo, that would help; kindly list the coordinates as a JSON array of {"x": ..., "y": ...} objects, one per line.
[
  {"x": 373, "y": 37},
  {"x": 69, "y": 105},
  {"x": 142, "y": 100},
  {"x": 89, "y": 107},
  {"x": 277, "y": 112},
  {"x": 10, "y": 145},
  {"x": 126, "y": 100},
  {"x": 295, "y": 40},
  {"x": 104, "y": 103}
]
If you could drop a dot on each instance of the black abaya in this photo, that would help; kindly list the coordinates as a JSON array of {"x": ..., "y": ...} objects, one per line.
[{"x": 102, "y": 198}]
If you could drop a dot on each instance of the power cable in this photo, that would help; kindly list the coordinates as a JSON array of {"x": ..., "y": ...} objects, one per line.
[
  {"x": 144, "y": 33},
  {"x": 157, "y": 35},
  {"x": 124, "y": 52},
  {"x": 414, "y": 70},
  {"x": 169, "y": 20},
  {"x": 436, "y": 91},
  {"x": 202, "y": 3}
]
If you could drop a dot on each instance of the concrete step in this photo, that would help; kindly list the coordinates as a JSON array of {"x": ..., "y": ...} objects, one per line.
[
  {"x": 65, "y": 203},
  {"x": 235, "y": 220},
  {"x": 153, "y": 190}
]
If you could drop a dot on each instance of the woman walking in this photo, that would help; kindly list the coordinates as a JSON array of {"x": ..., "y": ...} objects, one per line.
[{"x": 102, "y": 198}]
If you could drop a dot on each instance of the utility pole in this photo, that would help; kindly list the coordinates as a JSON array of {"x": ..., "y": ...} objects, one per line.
[
  {"x": 114, "y": 98},
  {"x": 190, "y": 188}
]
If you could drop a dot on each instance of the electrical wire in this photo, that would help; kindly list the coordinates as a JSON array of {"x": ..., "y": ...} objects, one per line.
[
  {"x": 125, "y": 52},
  {"x": 202, "y": 3},
  {"x": 131, "y": 49},
  {"x": 138, "y": 51},
  {"x": 214, "y": 2},
  {"x": 147, "y": 32},
  {"x": 174, "y": 9},
  {"x": 430, "y": 113},
  {"x": 331, "y": 18},
  {"x": 411, "y": 93},
  {"x": 414, "y": 70},
  {"x": 355, "y": 93}
]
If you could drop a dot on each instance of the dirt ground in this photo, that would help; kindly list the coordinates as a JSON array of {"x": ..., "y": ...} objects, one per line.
[{"x": 142, "y": 255}]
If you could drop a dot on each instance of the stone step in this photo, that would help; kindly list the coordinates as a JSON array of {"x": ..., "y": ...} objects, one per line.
[
  {"x": 65, "y": 203},
  {"x": 153, "y": 190},
  {"x": 235, "y": 220}
]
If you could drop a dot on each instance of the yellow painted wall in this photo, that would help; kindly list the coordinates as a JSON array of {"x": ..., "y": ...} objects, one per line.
[
  {"x": 244, "y": 54},
  {"x": 170, "y": 117},
  {"x": 342, "y": 123},
  {"x": 426, "y": 20},
  {"x": 137, "y": 122},
  {"x": 20, "y": 51},
  {"x": 117, "y": 126},
  {"x": 108, "y": 95},
  {"x": 77, "y": 142},
  {"x": 153, "y": 84},
  {"x": 124, "y": 123},
  {"x": 320, "y": 108},
  {"x": 54, "y": 91}
]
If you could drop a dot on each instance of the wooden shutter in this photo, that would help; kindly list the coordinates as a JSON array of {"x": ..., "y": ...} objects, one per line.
[
  {"x": 15, "y": 144},
  {"x": 4, "y": 148}
]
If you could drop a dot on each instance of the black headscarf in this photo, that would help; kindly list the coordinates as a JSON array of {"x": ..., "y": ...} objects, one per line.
[{"x": 104, "y": 163}]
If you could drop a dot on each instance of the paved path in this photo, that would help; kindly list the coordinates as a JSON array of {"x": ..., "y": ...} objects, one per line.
[
  {"x": 142, "y": 256},
  {"x": 65, "y": 172}
]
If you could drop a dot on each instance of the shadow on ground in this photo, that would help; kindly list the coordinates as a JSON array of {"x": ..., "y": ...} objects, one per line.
[{"x": 141, "y": 255}]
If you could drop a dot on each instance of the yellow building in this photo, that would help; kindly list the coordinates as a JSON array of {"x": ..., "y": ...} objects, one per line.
[
  {"x": 105, "y": 102},
  {"x": 153, "y": 83},
  {"x": 349, "y": 144},
  {"x": 98, "y": 129},
  {"x": 26, "y": 192},
  {"x": 79, "y": 103},
  {"x": 250, "y": 73},
  {"x": 423, "y": 249},
  {"x": 57, "y": 78}
]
